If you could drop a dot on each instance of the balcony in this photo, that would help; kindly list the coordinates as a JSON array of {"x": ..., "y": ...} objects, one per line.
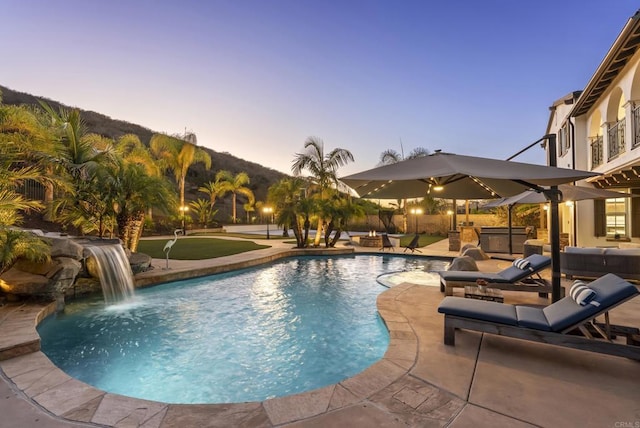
[
  {"x": 616, "y": 139},
  {"x": 636, "y": 127},
  {"x": 596, "y": 152}
]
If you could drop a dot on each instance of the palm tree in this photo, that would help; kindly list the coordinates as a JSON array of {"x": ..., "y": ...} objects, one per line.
[
  {"x": 391, "y": 156},
  {"x": 323, "y": 168},
  {"x": 285, "y": 196},
  {"x": 203, "y": 211},
  {"x": 339, "y": 210},
  {"x": 236, "y": 184},
  {"x": 177, "y": 155},
  {"x": 17, "y": 244},
  {"x": 218, "y": 188},
  {"x": 249, "y": 207}
]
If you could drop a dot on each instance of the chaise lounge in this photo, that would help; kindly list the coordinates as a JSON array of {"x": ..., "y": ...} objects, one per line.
[
  {"x": 512, "y": 278},
  {"x": 555, "y": 323}
]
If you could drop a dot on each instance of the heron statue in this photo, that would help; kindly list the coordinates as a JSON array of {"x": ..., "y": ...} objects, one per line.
[{"x": 169, "y": 244}]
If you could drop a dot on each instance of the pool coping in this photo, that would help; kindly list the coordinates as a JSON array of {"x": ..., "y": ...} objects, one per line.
[{"x": 44, "y": 384}]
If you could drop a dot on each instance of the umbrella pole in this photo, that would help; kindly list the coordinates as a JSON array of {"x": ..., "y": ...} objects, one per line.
[
  {"x": 510, "y": 207},
  {"x": 555, "y": 224}
]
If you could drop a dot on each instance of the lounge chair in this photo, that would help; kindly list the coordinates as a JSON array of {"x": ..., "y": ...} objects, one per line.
[
  {"x": 512, "y": 278},
  {"x": 386, "y": 243},
  {"x": 413, "y": 245},
  {"x": 556, "y": 324}
]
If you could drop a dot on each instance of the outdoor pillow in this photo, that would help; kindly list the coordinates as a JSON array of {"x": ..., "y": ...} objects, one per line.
[
  {"x": 581, "y": 293},
  {"x": 521, "y": 263}
]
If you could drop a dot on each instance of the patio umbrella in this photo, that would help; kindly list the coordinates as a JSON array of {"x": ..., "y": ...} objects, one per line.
[
  {"x": 451, "y": 176},
  {"x": 568, "y": 193}
]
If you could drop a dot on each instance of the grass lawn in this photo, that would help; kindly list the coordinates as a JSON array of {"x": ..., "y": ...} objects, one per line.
[
  {"x": 424, "y": 239},
  {"x": 196, "y": 248}
]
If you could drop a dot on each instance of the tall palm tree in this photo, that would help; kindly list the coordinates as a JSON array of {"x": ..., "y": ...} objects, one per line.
[
  {"x": 391, "y": 156},
  {"x": 322, "y": 167},
  {"x": 236, "y": 184},
  {"x": 177, "y": 155}
]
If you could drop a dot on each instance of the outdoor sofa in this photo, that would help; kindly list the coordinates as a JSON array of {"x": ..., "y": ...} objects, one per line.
[
  {"x": 555, "y": 324},
  {"x": 592, "y": 262}
]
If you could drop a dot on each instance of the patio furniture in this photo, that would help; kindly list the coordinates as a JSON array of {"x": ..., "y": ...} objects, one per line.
[
  {"x": 512, "y": 278},
  {"x": 413, "y": 245},
  {"x": 386, "y": 243},
  {"x": 591, "y": 262},
  {"x": 556, "y": 324}
]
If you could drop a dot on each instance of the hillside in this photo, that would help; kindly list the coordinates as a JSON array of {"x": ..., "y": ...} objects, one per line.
[{"x": 261, "y": 177}]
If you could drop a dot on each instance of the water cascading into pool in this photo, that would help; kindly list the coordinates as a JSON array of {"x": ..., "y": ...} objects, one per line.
[{"x": 113, "y": 269}]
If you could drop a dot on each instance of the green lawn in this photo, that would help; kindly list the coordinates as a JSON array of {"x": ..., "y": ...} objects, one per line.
[
  {"x": 424, "y": 239},
  {"x": 197, "y": 248}
]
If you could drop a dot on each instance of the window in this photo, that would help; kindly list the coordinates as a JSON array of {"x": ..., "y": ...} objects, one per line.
[
  {"x": 564, "y": 142},
  {"x": 616, "y": 217}
]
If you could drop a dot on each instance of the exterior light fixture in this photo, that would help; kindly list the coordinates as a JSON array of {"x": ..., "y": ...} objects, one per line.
[
  {"x": 268, "y": 211},
  {"x": 416, "y": 212},
  {"x": 183, "y": 211}
]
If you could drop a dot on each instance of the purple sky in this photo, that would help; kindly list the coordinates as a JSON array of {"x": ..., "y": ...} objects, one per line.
[{"x": 256, "y": 78}]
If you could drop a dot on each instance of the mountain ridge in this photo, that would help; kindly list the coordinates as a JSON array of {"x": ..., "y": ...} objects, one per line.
[{"x": 261, "y": 177}]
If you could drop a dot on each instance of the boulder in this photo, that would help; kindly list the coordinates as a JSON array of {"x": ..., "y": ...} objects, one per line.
[
  {"x": 463, "y": 263},
  {"x": 465, "y": 247},
  {"x": 65, "y": 247},
  {"x": 139, "y": 262},
  {"x": 476, "y": 253},
  {"x": 20, "y": 283},
  {"x": 65, "y": 275},
  {"x": 36, "y": 268}
]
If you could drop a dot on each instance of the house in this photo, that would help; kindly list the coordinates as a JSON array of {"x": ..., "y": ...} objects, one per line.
[{"x": 598, "y": 129}]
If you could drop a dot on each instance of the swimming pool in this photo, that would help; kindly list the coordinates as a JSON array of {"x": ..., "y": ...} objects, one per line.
[{"x": 279, "y": 329}]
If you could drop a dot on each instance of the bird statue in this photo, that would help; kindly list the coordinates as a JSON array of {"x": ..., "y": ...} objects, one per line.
[{"x": 169, "y": 244}]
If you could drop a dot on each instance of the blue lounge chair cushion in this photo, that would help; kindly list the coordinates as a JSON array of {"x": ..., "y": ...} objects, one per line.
[
  {"x": 529, "y": 317},
  {"x": 610, "y": 289},
  {"x": 509, "y": 275},
  {"x": 479, "y": 309},
  {"x": 471, "y": 276}
]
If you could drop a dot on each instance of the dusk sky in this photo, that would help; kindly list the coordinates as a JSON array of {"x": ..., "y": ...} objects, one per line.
[{"x": 256, "y": 78}]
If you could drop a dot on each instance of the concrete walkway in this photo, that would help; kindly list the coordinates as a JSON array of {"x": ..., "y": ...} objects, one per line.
[{"x": 484, "y": 381}]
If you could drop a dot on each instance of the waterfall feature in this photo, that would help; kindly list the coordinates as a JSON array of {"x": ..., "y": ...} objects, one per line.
[{"x": 113, "y": 269}]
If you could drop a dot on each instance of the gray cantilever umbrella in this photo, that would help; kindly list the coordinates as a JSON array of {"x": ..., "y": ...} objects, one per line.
[
  {"x": 567, "y": 193},
  {"x": 450, "y": 176}
]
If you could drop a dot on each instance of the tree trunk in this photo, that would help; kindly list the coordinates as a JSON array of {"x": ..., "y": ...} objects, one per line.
[
  {"x": 307, "y": 226},
  {"x": 234, "y": 208},
  {"x": 316, "y": 241},
  {"x": 297, "y": 232},
  {"x": 136, "y": 232},
  {"x": 327, "y": 234}
]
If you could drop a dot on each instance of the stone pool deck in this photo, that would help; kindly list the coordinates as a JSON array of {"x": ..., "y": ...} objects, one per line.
[{"x": 484, "y": 381}]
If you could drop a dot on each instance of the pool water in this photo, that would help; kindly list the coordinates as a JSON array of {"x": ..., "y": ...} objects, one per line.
[{"x": 279, "y": 329}]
